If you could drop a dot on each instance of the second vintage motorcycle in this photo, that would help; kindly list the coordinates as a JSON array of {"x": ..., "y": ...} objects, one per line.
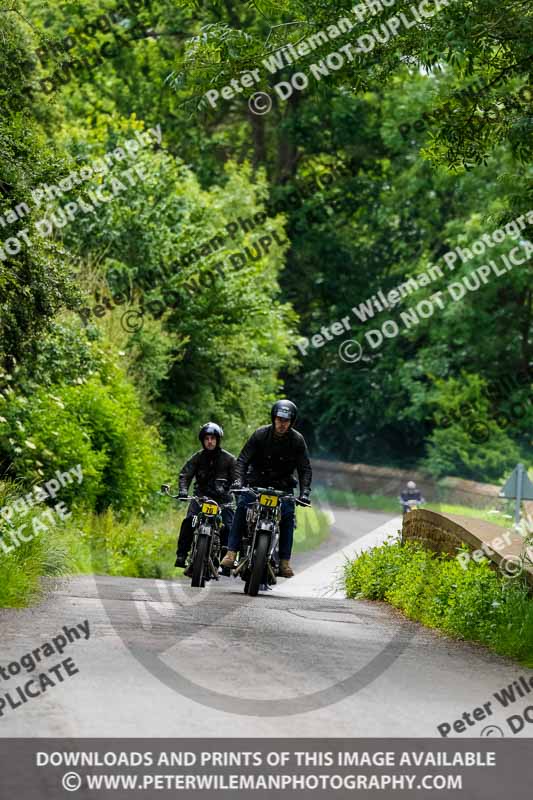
[{"x": 205, "y": 556}]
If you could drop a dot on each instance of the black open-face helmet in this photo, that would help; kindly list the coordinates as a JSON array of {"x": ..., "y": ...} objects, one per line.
[
  {"x": 284, "y": 409},
  {"x": 213, "y": 428}
]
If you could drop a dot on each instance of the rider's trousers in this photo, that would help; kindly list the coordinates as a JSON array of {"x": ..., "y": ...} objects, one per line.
[{"x": 286, "y": 527}]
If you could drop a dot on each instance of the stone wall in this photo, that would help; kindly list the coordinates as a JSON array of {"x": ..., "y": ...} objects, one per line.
[
  {"x": 389, "y": 482},
  {"x": 446, "y": 533}
]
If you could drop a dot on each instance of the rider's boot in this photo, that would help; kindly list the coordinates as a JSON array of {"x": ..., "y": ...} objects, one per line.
[
  {"x": 285, "y": 569},
  {"x": 180, "y": 560},
  {"x": 229, "y": 559}
]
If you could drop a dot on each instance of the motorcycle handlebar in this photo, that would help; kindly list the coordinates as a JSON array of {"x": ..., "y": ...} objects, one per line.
[
  {"x": 193, "y": 497},
  {"x": 257, "y": 490},
  {"x": 203, "y": 500}
]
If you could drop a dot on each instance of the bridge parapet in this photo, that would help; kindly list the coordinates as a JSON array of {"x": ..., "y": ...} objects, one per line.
[{"x": 446, "y": 533}]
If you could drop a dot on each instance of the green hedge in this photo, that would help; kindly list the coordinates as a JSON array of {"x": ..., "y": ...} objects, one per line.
[
  {"x": 97, "y": 424},
  {"x": 474, "y": 603}
]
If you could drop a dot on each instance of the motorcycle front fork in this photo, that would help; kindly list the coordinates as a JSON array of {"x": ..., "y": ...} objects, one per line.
[{"x": 272, "y": 566}]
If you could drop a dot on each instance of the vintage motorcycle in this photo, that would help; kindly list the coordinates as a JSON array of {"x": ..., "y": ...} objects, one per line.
[
  {"x": 259, "y": 564},
  {"x": 205, "y": 556},
  {"x": 410, "y": 505}
]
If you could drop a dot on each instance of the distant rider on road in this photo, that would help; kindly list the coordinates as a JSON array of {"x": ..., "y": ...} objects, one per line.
[
  {"x": 213, "y": 469},
  {"x": 269, "y": 459},
  {"x": 410, "y": 493}
]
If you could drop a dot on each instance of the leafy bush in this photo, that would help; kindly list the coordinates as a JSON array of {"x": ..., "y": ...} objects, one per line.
[
  {"x": 131, "y": 547},
  {"x": 473, "y": 603},
  {"x": 467, "y": 440},
  {"x": 99, "y": 425}
]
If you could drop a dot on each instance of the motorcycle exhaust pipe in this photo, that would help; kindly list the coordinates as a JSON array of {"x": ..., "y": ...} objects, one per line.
[{"x": 240, "y": 566}]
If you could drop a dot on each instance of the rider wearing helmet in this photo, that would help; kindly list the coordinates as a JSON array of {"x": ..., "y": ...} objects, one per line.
[
  {"x": 410, "y": 493},
  {"x": 213, "y": 470},
  {"x": 269, "y": 458}
]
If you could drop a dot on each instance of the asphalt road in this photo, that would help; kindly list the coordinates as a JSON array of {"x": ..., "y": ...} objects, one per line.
[{"x": 163, "y": 659}]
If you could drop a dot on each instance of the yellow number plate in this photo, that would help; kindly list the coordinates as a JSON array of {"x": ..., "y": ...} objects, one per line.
[
  {"x": 269, "y": 500},
  {"x": 209, "y": 508}
]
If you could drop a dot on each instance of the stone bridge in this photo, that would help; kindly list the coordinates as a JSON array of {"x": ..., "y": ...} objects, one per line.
[{"x": 446, "y": 533}]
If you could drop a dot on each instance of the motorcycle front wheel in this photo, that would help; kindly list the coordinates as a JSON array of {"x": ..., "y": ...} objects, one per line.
[
  {"x": 200, "y": 562},
  {"x": 259, "y": 566}
]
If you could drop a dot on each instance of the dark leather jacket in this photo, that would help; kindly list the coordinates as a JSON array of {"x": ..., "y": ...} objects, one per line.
[
  {"x": 213, "y": 471},
  {"x": 411, "y": 494},
  {"x": 268, "y": 460}
]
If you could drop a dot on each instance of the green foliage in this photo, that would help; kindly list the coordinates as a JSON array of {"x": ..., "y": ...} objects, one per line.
[
  {"x": 312, "y": 529},
  {"x": 470, "y": 443},
  {"x": 217, "y": 351},
  {"x": 223, "y": 348},
  {"x": 473, "y": 603},
  {"x": 22, "y": 567},
  {"x": 454, "y": 452},
  {"x": 129, "y": 546},
  {"x": 96, "y": 421},
  {"x": 34, "y": 282}
]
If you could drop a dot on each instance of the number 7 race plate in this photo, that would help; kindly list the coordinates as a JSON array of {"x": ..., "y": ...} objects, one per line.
[{"x": 269, "y": 500}]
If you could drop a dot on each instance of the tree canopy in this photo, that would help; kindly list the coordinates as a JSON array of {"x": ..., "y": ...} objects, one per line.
[{"x": 234, "y": 236}]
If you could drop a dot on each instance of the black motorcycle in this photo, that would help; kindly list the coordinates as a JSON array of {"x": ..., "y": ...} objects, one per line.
[
  {"x": 259, "y": 563},
  {"x": 205, "y": 556}
]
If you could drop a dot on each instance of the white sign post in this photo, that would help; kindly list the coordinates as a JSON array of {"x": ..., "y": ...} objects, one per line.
[{"x": 518, "y": 486}]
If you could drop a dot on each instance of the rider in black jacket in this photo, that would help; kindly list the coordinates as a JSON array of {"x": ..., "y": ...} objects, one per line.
[
  {"x": 213, "y": 470},
  {"x": 410, "y": 493},
  {"x": 269, "y": 458}
]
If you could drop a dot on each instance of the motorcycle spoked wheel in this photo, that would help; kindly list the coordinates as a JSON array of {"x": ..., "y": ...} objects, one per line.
[
  {"x": 251, "y": 587},
  {"x": 200, "y": 563}
]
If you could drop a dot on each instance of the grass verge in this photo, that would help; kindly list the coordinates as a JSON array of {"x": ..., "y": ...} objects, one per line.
[
  {"x": 107, "y": 544},
  {"x": 379, "y": 502},
  {"x": 475, "y": 603},
  {"x": 25, "y": 556},
  {"x": 312, "y": 528}
]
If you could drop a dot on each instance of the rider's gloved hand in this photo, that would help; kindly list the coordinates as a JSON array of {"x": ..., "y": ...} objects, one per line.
[
  {"x": 182, "y": 495},
  {"x": 235, "y": 486},
  {"x": 304, "y": 498}
]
